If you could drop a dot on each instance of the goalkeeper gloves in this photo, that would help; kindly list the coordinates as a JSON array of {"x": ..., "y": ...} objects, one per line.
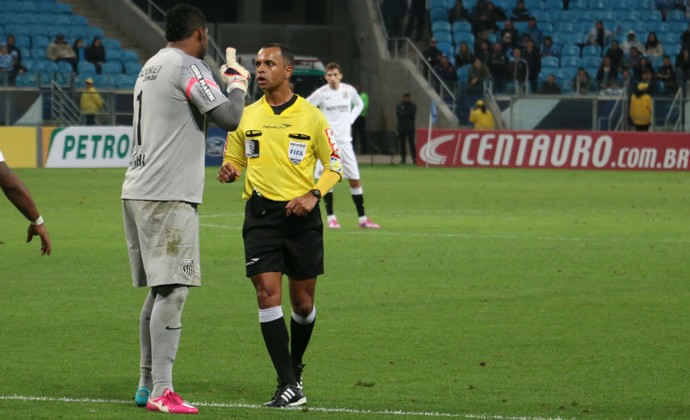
[{"x": 233, "y": 74}]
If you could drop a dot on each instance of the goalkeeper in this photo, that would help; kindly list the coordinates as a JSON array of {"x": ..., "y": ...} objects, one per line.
[{"x": 173, "y": 95}]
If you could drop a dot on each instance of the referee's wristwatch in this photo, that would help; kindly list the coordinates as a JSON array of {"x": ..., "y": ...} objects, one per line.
[{"x": 316, "y": 193}]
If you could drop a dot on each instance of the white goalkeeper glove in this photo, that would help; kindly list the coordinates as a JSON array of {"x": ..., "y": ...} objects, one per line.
[{"x": 234, "y": 75}]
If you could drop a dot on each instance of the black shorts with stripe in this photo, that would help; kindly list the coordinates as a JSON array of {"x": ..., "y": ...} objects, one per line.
[{"x": 276, "y": 242}]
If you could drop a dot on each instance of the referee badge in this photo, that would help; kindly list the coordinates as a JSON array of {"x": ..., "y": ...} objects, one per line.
[{"x": 296, "y": 151}]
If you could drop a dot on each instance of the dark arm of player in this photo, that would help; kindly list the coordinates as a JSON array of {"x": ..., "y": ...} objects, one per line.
[{"x": 228, "y": 114}]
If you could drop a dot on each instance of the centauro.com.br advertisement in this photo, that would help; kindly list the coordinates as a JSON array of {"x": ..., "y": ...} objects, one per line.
[{"x": 554, "y": 149}]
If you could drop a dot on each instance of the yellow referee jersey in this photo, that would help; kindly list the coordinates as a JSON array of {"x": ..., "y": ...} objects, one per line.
[{"x": 279, "y": 152}]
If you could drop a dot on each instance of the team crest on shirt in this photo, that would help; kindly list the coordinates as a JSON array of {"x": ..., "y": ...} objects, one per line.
[
  {"x": 336, "y": 164},
  {"x": 296, "y": 151}
]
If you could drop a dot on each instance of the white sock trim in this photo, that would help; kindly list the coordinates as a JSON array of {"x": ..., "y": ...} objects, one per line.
[
  {"x": 270, "y": 314},
  {"x": 305, "y": 320},
  {"x": 357, "y": 191}
]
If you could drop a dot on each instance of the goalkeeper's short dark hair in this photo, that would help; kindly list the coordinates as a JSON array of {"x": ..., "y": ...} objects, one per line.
[
  {"x": 288, "y": 57},
  {"x": 181, "y": 21}
]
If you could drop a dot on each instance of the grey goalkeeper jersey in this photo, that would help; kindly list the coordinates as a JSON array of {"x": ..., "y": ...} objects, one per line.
[{"x": 172, "y": 93}]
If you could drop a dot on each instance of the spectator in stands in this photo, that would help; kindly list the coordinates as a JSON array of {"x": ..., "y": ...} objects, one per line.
[
  {"x": 6, "y": 65},
  {"x": 494, "y": 14},
  {"x": 550, "y": 87},
  {"x": 478, "y": 41},
  {"x": 446, "y": 72},
  {"x": 633, "y": 59},
  {"x": 416, "y": 16},
  {"x": 520, "y": 12},
  {"x": 507, "y": 44},
  {"x": 683, "y": 64},
  {"x": 549, "y": 49},
  {"x": 16, "y": 54},
  {"x": 476, "y": 76},
  {"x": 477, "y": 11},
  {"x": 631, "y": 42},
  {"x": 652, "y": 83},
  {"x": 653, "y": 47},
  {"x": 481, "y": 117},
  {"x": 498, "y": 65},
  {"x": 79, "y": 49},
  {"x": 432, "y": 53},
  {"x": 606, "y": 74},
  {"x": 613, "y": 89},
  {"x": 95, "y": 53},
  {"x": 599, "y": 35},
  {"x": 59, "y": 50},
  {"x": 483, "y": 24},
  {"x": 534, "y": 32},
  {"x": 518, "y": 71},
  {"x": 685, "y": 37},
  {"x": 615, "y": 54},
  {"x": 665, "y": 6},
  {"x": 464, "y": 55},
  {"x": 509, "y": 28},
  {"x": 459, "y": 12},
  {"x": 393, "y": 12},
  {"x": 91, "y": 102},
  {"x": 484, "y": 52},
  {"x": 641, "y": 108},
  {"x": 533, "y": 59},
  {"x": 627, "y": 82},
  {"x": 666, "y": 74},
  {"x": 642, "y": 66},
  {"x": 582, "y": 82}
]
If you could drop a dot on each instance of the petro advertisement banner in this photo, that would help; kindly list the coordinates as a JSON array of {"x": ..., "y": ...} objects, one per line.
[
  {"x": 554, "y": 149},
  {"x": 110, "y": 147}
]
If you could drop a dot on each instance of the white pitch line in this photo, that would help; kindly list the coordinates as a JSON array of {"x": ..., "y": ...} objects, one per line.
[
  {"x": 471, "y": 236},
  {"x": 261, "y": 407}
]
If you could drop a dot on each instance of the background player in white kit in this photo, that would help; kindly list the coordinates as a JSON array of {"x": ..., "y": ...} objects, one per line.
[
  {"x": 341, "y": 104},
  {"x": 164, "y": 183}
]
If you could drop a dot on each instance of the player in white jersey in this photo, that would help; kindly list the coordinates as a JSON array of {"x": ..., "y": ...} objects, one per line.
[
  {"x": 341, "y": 104},
  {"x": 173, "y": 95},
  {"x": 19, "y": 195}
]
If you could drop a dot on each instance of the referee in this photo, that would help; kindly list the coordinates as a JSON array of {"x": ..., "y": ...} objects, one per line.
[{"x": 279, "y": 141}]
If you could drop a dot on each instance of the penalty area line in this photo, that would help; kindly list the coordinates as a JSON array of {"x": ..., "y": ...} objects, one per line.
[{"x": 68, "y": 400}]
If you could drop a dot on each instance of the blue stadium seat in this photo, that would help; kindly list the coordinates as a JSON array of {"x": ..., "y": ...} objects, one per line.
[
  {"x": 549, "y": 62},
  {"x": 38, "y": 53},
  {"x": 64, "y": 67},
  {"x": 93, "y": 31},
  {"x": 49, "y": 66},
  {"x": 554, "y": 5},
  {"x": 440, "y": 26},
  {"x": 445, "y": 47},
  {"x": 675, "y": 16},
  {"x": 443, "y": 37},
  {"x": 541, "y": 16},
  {"x": 44, "y": 19},
  {"x": 113, "y": 55},
  {"x": 40, "y": 41},
  {"x": 124, "y": 81},
  {"x": 41, "y": 29},
  {"x": 111, "y": 68},
  {"x": 17, "y": 29},
  {"x": 111, "y": 44},
  {"x": 438, "y": 14},
  {"x": 132, "y": 67},
  {"x": 461, "y": 72},
  {"x": 461, "y": 26},
  {"x": 21, "y": 41},
  {"x": 27, "y": 79},
  {"x": 78, "y": 20},
  {"x": 591, "y": 61},
  {"x": 441, "y": 4},
  {"x": 61, "y": 20},
  {"x": 591, "y": 50},
  {"x": 129, "y": 55},
  {"x": 532, "y": 5},
  {"x": 570, "y": 50},
  {"x": 570, "y": 61},
  {"x": 459, "y": 37},
  {"x": 85, "y": 67},
  {"x": 26, "y": 53}
]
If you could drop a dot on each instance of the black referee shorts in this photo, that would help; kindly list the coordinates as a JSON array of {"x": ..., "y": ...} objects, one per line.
[{"x": 275, "y": 242}]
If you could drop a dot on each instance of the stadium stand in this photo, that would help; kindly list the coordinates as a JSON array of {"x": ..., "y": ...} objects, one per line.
[
  {"x": 569, "y": 28},
  {"x": 35, "y": 23}
]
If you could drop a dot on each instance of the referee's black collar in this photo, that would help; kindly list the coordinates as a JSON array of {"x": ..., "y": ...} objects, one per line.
[{"x": 277, "y": 110}]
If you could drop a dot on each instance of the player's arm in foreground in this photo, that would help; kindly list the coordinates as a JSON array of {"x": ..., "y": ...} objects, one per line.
[
  {"x": 19, "y": 195},
  {"x": 236, "y": 78}
]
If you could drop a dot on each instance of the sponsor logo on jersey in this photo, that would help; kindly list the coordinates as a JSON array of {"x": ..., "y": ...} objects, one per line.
[
  {"x": 296, "y": 151},
  {"x": 338, "y": 108},
  {"x": 202, "y": 82}
]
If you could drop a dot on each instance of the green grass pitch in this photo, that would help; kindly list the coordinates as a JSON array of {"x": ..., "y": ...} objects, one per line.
[{"x": 495, "y": 294}]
